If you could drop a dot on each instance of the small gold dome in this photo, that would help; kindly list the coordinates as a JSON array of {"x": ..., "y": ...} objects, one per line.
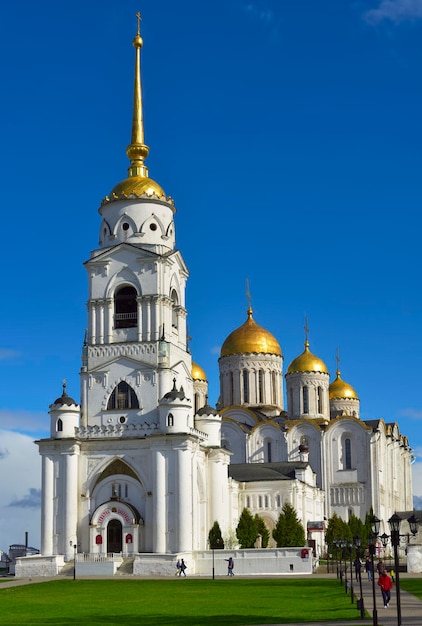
[
  {"x": 198, "y": 373},
  {"x": 307, "y": 362},
  {"x": 339, "y": 389},
  {"x": 137, "y": 186},
  {"x": 250, "y": 339}
]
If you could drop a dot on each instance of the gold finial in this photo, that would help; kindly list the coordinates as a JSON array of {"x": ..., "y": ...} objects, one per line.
[
  {"x": 306, "y": 329},
  {"x": 137, "y": 151},
  {"x": 248, "y": 295}
]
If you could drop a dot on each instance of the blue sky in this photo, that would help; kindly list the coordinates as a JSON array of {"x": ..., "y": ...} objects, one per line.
[{"x": 288, "y": 134}]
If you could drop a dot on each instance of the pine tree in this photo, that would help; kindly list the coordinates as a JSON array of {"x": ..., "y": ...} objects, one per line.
[
  {"x": 289, "y": 530},
  {"x": 214, "y": 537},
  {"x": 246, "y": 530},
  {"x": 262, "y": 530}
]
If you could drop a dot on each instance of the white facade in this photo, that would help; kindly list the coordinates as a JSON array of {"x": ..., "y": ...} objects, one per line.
[{"x": 143, "y": 464}]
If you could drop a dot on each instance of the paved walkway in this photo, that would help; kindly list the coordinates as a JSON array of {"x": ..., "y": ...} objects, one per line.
[{"x": 411, "y": 607}]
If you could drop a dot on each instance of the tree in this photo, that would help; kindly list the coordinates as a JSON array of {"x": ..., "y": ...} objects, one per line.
[
  {"x": 262, "y": 530},
  {"x": 336, "y": 529},
  {"x": 214, "y": 537},
  {"x": 289, "y": 530},
  {"x": 246, "y": 531}
]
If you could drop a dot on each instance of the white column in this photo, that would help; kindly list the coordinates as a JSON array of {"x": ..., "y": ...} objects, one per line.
[
  {"x": 47, "y": 510},
  {"x": 101, "y": 321},
  {"x": 92, "y": 321},
  {"x": 139, "y": 308},
  {"x": 148, "y": 319},
  {"x": 159, "y": 502},
  {"x": 109, "y": 321},
  {"x": 70, "y": 500},
  {"x": 184, "y": 500},
  {"x": 155, "y": 319}
]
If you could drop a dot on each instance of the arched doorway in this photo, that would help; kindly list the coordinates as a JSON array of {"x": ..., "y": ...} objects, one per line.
[{"x": 114, "y": 536}]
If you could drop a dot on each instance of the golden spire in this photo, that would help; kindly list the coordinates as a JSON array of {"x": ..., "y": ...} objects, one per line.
[{"x": 137, "y": 151}]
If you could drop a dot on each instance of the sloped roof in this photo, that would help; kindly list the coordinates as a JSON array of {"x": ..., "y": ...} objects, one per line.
[{"x": 250, "y": 472}]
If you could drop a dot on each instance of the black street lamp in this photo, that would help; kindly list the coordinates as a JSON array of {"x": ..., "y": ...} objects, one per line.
[
  {"x": 395, "y": 537},
  {"x": 394, "y": 522},
  {"x": 375, "y": 527},
  {"x": 335, "y": 544},
  {"x": 358, "y": 543},
  {"x": 75, "y": 547},
  {"x": 350, "y": 546}
]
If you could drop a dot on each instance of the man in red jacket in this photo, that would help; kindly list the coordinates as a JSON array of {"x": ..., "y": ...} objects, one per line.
[{"x": 386, "y": 584}]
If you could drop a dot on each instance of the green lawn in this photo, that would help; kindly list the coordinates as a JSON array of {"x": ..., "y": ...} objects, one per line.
[
  {"x": 180, "y": 601},
  {"x": 412, "y": 585}
]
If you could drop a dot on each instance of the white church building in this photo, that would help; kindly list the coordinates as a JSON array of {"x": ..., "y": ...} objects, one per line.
[{"x": 141, "y": 464}]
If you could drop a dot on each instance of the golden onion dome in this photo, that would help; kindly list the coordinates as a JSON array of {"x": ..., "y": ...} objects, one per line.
[
  {"x": 307, "y": 362},
  {"x": 198, "y": 373},
  {"x": 250, "y": 338},
  {"x": 339, "y": 389},
  {"x": 137, "y": 186}
]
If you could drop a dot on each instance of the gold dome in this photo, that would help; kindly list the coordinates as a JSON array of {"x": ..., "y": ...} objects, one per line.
[
  {"x": 250, "y": 339},
  {"x": 198, "y": 373},
  {"x": 137, "y": 186},
  {"x": 307, "y": 362},
  {"x": 339, "y": 389}
]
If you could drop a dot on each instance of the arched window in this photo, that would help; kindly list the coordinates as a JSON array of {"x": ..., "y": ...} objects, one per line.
[
  {"x": 59, "y": 425},
  {"x": 245, "y": 386},
  {"x": 170, "y": 419},
  {"x": 305, "y": 395},
  {"x": 125, "y": 308},
  {"x": 123, "y": 397},
  {"x": 269, "y": 452},
  {"x": 347, "y": 454},
  {"x": 319, "y": 398},
  {"x": 175, "y": 304}
]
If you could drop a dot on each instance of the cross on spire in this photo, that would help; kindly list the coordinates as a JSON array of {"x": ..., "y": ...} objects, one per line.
[{"x": 139, "y": 18}]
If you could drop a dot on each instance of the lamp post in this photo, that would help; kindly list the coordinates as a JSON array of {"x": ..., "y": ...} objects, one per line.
[
  {"x": 350, "y": 546},
  {"x": 375, "y": 524},
  {"x": 358, "y": 543},
  {"x": 395, "y": 537},
  {"x": 75, "y": 547},
  {"x": 335, "y": 544}
]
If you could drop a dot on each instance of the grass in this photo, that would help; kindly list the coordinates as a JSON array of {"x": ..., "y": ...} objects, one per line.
[
  {"x": 180, "y": 601},
  {"x": 412, "y": 585}
]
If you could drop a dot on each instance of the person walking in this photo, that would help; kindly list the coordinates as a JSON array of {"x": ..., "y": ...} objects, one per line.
[
  {"x": 358, "y": 567},
  {"x": 386, "y": 584},
  {"x": 230, "y": 566},
  {"x": 182, "y": 567},
  {"x": 368, "y": 567},
  {"x": 178, "y": 568},
  {"x": 380, "y": 567}
]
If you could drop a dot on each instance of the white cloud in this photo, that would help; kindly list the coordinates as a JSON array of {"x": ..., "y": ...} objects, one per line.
[
  {"x": 415, "y": 414},
  {"x": 395, "y": 11},
  {"x": 20, "y": 485},
  {"x": 24, "y": 421}
]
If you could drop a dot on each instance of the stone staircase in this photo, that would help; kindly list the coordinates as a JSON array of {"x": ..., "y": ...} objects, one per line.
[
  {"x": 67, "y": 569},
  {"x": 126, "y": 568}
]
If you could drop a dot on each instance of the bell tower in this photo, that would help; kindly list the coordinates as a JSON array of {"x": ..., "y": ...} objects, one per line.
[{"x": 136, "y": 340}]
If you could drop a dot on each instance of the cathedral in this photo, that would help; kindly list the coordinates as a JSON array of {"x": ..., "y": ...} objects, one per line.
[{"x": 142, "y": 463}]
